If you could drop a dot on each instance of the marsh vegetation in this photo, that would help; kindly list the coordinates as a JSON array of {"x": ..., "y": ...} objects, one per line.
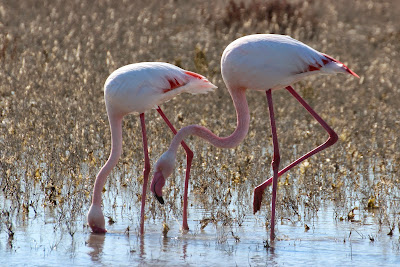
[{"x": 54, "y": 133}]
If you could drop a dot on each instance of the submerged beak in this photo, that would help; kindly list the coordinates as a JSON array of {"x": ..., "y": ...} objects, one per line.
[
  {"x": 156, "y": 186},
  {"x": 98, "y": 230}
]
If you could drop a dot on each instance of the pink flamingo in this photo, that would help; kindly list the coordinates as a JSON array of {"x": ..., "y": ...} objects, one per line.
[
  {"x": 262, "y": 62},
  {"x": 134, "y": 89}
]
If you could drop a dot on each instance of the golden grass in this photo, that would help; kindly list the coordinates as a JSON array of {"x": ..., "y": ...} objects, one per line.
[{"x": 54, "y": 135}]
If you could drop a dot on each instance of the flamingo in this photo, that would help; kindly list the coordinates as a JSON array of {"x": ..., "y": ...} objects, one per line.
[
  {"x": 263, "y": 62},
  {"x": 134, "y": 89}
]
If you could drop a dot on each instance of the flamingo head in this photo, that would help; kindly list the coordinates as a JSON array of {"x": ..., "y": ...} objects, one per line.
[
  {"x": 163, "y": 169},
  {"x": 96, "y": 219}
]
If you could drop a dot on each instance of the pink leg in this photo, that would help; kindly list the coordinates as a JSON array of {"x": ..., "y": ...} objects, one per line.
[
  {"x": 146, "y": 172},
  {"x": 189, "y": 158},
  {"x": 275, "y": 162},
  {"x": 259, "y": 190}
]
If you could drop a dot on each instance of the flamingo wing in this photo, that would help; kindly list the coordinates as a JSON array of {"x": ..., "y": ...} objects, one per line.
[
  {"x": 138, "y": 87},
  {"x": 270, "y": 61}
]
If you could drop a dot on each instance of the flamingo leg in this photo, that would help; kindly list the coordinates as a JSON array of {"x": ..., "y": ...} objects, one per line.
[
  {"x": 189, "y": 158},
  {"x": 146, "y": 172},
  {"x": 275, "y": 162},
  {"x": 259, "y": 190}
]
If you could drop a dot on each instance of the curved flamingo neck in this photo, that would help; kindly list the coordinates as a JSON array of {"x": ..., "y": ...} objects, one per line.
[
  {"x": 243, "y": 120},
  {"x": 116, "y": 149}
]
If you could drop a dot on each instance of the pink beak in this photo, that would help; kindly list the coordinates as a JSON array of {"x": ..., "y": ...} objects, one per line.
[{"x": 156, "y": 186}]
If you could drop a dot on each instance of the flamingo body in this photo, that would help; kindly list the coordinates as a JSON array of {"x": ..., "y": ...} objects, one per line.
[{"x": 136, "y": 88}]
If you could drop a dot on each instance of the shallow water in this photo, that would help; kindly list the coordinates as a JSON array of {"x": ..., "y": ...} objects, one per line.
[{"x": 41, "y": 241}]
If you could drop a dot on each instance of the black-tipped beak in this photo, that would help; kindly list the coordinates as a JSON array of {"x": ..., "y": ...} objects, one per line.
[
  {"x": 156, "y": 186},
  {"x": 160, "y": 199}
]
